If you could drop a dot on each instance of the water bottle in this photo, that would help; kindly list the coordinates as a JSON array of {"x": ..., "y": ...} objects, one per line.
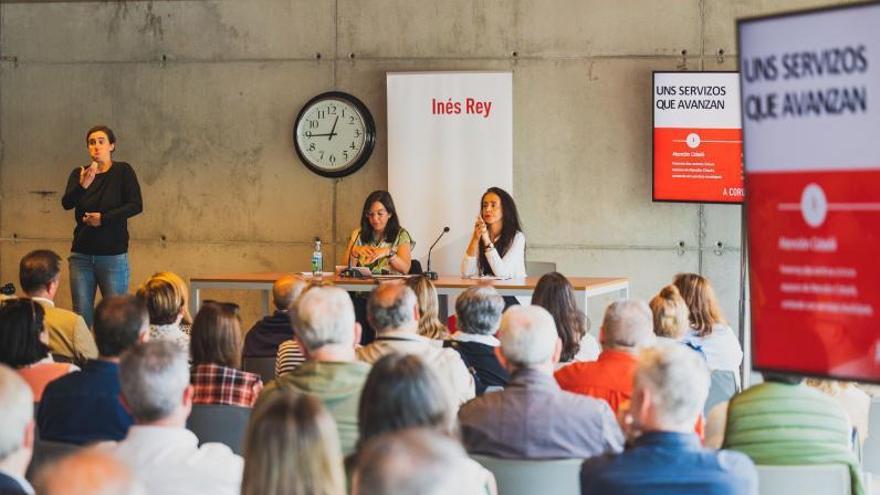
[{"x": 317, "y": 260}]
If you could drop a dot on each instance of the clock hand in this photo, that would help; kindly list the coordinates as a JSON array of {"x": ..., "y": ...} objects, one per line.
[
  {"x": 325, "y": 134},
  {"x": 333, "y": 130}
]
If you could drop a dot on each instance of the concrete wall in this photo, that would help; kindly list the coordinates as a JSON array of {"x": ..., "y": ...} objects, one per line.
[{"x": 202, "y": 95}]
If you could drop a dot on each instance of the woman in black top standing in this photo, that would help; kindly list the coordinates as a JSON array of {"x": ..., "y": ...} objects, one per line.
[{"x": 104, "y": 195}]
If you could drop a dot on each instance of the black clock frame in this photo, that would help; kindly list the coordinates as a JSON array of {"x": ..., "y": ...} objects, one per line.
[{"x": 369, "y": 134}]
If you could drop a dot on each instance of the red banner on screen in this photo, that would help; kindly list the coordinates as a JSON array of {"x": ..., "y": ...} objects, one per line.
[
  {"x": 702, "y": 165},
  {"x": 815, "y": 271}
]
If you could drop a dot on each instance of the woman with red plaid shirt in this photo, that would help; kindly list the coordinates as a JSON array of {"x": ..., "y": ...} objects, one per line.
[{"x": 215, "y": 347}]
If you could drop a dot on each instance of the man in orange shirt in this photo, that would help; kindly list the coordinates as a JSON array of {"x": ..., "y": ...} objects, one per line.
[{"x": 627, "y": 327}]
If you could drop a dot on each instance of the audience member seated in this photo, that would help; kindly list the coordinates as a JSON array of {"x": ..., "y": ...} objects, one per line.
[
  {"x": 88, "y": 472},
  {"x": 671, "y": 385},
  {"x": 416, "y": 462},
  {"x": 785, "y": 422},
  {"x": 177, "y": 281},
  {"x": 555, "y": 294},
  {"x": 854, "y": 401},
  {"x": 393, "y": 312},
  {"x": 292, "y": 448},
  {"x": 290, "y": 355},
  {"x": 263, "y": 339},
  {"x": 24, "y": 344},
  {"x": 16, "y": 433},
  {"x": 671, "y": 318},
  {"x": 403, "y": 392},
  {"x": 165, "y": 304},
  {"x": 215, "y": 349},
  {"x": 533, "y": 418},
  {"x": 479, "y": 314},
  {"x": 429, "y": 320},
  {"x": 325, "y": 324},
  {"x": 709, "y": 331},
  {"x": 39, "y": 274},
  {"x": 626, "y": 329},
  {"x": 84, "y": 407},
  {"x": 161, "y": 452}
]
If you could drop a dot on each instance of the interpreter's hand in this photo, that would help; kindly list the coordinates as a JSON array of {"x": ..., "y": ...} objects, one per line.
[
  {"x": 377, "y": 254},
  {"x": 480, "y": 229},
  {"x": 87, "y": 175},
  {"x": 92, "y": 219}
]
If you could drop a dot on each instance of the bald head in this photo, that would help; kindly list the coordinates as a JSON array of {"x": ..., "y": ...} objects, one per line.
[
  {"x": 286, "y": 290},
  {"x": 88, "y": 472},
  {"x": 628, "y": 326},
  {"x": 393, "y": 307}
]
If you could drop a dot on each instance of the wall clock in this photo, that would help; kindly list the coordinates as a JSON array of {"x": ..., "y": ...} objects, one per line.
[{"x": 334, "y": 134}]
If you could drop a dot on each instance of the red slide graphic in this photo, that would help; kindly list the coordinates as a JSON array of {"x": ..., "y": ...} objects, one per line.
[{"x": 700, "y": 165}]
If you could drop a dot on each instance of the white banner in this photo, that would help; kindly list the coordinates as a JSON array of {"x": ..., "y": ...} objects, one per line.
[{"x": 450, "y": 137}]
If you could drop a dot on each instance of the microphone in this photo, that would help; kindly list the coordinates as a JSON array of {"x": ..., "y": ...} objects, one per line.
[{"x": 433, "y": 275}]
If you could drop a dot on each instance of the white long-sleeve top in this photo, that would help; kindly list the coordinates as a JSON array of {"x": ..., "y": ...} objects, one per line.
[{"x": 511, "y": 265}]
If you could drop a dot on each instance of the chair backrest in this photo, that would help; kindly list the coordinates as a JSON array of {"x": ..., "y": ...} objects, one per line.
[
  {"x": 46, "y": 452},
  {"x": 522, "y": 477},
  {"x": 722, "y": 387},
  {"x": 415, "y": 267},
  {"x": 219, "y": 423},
  {"x": 538, "y": 268},
  {"x": 263, "y": 366},
  {"x": 819, "y": 479}
]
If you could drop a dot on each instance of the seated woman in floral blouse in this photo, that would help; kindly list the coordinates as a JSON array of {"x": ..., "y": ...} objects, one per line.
[{"x": 215, "y": 349}]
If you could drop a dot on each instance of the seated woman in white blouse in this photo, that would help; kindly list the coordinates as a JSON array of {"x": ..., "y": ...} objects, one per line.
[
  {"x": 497, "y": 246},
  {"x": 709, "y": 331}
]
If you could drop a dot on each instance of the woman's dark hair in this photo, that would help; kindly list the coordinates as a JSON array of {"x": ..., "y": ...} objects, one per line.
[
  {"x": 402, "y": 392},
  {"x": 21, "y": 323},
  {"x": 102, "y": 128},
  {"x": 555, "y": 294},
  {"x": 215, "y": 337},
  {"x": 391, "y": 228},
  {"x": 510, "y": 225}
]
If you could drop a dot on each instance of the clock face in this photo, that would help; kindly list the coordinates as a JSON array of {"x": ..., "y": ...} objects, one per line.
[{"x": 334, "y": 134}]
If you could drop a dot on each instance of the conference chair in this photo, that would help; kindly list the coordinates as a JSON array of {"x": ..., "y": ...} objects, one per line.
[
  {"x": 722, "y": 386},
  {"x": 219, "y": 423},
  {"x": 263, "y": 366},
  {"x": 539, "y": 268},
  {"x": 46, "y": 452},
  {"x": 525, "y": 477},
  {"x": 818, "y": 479},
  {"x": 871, "y": 448}
]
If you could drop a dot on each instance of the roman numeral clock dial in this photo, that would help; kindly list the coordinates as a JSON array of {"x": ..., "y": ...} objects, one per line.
[{"x": 334, "y": 134}]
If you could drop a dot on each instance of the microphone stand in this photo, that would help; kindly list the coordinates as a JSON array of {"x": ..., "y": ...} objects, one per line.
[{"x": 430, "y": 274}]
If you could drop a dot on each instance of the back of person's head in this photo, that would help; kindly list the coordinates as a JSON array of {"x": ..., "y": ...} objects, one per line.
[
  {"x": 88, "y": 472},
  {"x": 670, "y": 313},
  {"x": 429, "y": 321},
  {"x": 163, "y": 299},
  {"x": 286, "y": 290},
  {"x": 414, "y": 462},
  {"x": 701, "y": 302},
  {"x": 555, "y": 294},
  {"x": 38, "y": 269},
  {"x": 120, "y": 322},
  {"x": 21, "y": 332},
  {"x": 178, "y": 282},
  {"x": 628, "y": 325},
  {"x": 324, "y": 315},
  {"x": 478, "y": 310},
  {"x": 528, "y": 336},
  {"x": 392, "y": 306},
  {"x": 153, "y": 377},
  {"x": 401, "y": 391},
  {"x": 17, "y": 403},
  {"x": 292, "y": 447},
  {"x": 216, "y": 337},
  {"x": 678, "y": 382}
]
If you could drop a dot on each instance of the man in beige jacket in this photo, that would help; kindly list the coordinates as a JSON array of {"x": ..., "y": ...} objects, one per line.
[
  {"x": 39, "y": 274},
  {"x": 394, "y": 312}
]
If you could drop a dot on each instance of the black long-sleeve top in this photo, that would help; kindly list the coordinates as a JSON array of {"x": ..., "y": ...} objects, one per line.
[{"x": 117, "y": 196}]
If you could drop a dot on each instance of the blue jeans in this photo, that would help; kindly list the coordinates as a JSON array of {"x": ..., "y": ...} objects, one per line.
[{"x": 88, "y": 272}]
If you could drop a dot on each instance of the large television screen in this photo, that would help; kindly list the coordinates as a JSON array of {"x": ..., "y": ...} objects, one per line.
[
  {"x": 811, "y": 123},
  {"x": 697, "y": 137}
]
